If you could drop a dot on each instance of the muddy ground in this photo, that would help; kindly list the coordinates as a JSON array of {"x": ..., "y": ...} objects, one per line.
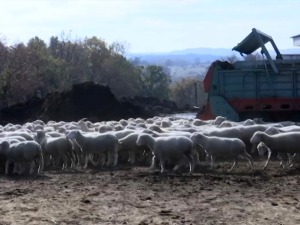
[{"x": 138, "y": 196}]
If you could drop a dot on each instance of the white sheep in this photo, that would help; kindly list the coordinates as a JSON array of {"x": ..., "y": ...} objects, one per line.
[
  {"x": 222, "y": 147},
  {"x": 96, "y": 143},
  {"x": 225, "y": 124},
  {"x": 56, "y": 147},
  {"x": 242, "y": 132},
  {"x": 123, "y": 122},
  {"x": 149, "y": 121},
  {"x": 168, "y": 148},
  {"x": 129, "y": 148},
  {"x": 156, "y": 128},
  {"x": 248, "y": 122},
  {"x": 292, "y": 128},
  {"x": 118, "y": 127},
  {"x": 218, "y": 120},
  {"x": 275, "y": 130},
  {"x": 282, "y": 143},
  {"x": 19, "y": 138},
  {"x": 83, "y": 126},
  {"x": 25, "y": 135},
  {"x": 197, "y": 122},
  {"x": 263, "y": 148},
  {"x": 25, "y": 151},
  {"x": 197, "y": 148},
  {"x": 105, "y": 128}
]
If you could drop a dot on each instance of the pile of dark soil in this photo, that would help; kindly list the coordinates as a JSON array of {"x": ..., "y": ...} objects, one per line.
[{"x": 87, "y": 100}]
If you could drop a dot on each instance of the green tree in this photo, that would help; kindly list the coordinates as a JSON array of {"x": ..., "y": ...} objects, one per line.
[
  {"x": 36, "y": 67},
  {"x": 155, "y": 82},
  {"x": 121, "y": 76},
  {"x": 97, "y": 51},
  {"x": 23, "y": 73}
]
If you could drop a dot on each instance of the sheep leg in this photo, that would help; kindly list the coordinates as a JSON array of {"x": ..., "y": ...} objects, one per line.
[
  {"x": 92, "y": 160},
  {"x": 65, "y": 161},
  {"x": 7, "y": 167},
  {"x": 131, "y": 157},
  {"x": 290, "y": 159},
  {"x": 115, "y": 159},
  {"x": 78, "y": 158},
  {"x": 212, "y": 161},
  {"x": 207, "y": 158},
  {"x": 196, "y": 157},
  {"x": 146, "y": 156},
  {"x": 268, "y": 159},
  {"x": 280, "y": 157},
  {"x": 41, "y": 163},
  {"x": 235, "y": 163},
  {"x": 31, "y": 168},
  {"x": 153, "y": 166},
  {"x": 162, "y": 165},
  {"x": 38, "y": 165},
  {"x": 73, "y": 159},
  {"x": 249, "y": 158},
  {"x": 112, "y": 156},
  {"x": 16, "y": 168},
  {"x": 109, "y": 159},
  {"x": 102, "y": 160},
  {"x": 190, "y": 158},
  {"x": 86, "y": 161}
]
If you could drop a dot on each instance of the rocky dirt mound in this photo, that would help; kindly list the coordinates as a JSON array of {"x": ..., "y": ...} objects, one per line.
[{"x": 87, "y": 100}]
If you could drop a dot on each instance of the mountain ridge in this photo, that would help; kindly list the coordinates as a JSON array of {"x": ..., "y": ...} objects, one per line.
[
  {"x": 210, "y": 51},
  {"x": 191, "y": 56}
]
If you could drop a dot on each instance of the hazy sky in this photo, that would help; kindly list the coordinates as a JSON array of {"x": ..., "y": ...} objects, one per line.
[{"x": 151, "y": 25}]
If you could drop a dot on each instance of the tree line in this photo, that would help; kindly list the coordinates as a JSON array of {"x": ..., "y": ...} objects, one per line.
[{"x": 37, "y": 68}]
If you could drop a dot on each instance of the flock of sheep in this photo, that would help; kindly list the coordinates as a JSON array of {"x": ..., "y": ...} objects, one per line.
[{"x": 165, "y": 141}]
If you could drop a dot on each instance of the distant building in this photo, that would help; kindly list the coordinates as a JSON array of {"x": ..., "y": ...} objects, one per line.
[{"x": 296, "y": 40}]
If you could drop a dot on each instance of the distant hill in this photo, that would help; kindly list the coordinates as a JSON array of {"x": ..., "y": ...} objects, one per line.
[
  {"x": 195, "y": 55},
  {"x": 193, "y": 61},
  {"x": 204, "y": 51},
  {"x": 184, "y": 57}
]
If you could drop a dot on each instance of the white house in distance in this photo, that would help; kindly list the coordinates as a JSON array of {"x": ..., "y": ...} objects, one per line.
[{"x": 296, "y": 40}]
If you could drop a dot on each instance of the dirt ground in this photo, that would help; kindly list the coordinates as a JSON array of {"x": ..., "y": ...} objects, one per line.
[{"x": 139, "y": 196}]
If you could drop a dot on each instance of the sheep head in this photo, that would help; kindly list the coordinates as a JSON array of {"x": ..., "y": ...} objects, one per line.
[
  {"x": 40, "y": 135},
  {"x": 142, "y": 139},
  {"x": 196, "y": 137},
  {"x": 262, "y": 148},
  {"x": 152, "y": 133},
  {"x": 73, "y": 134},
  {"x": 156, "y": 128},
  {"x": 272, "y": 130},
  {"x": 257, "y": 137}
]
